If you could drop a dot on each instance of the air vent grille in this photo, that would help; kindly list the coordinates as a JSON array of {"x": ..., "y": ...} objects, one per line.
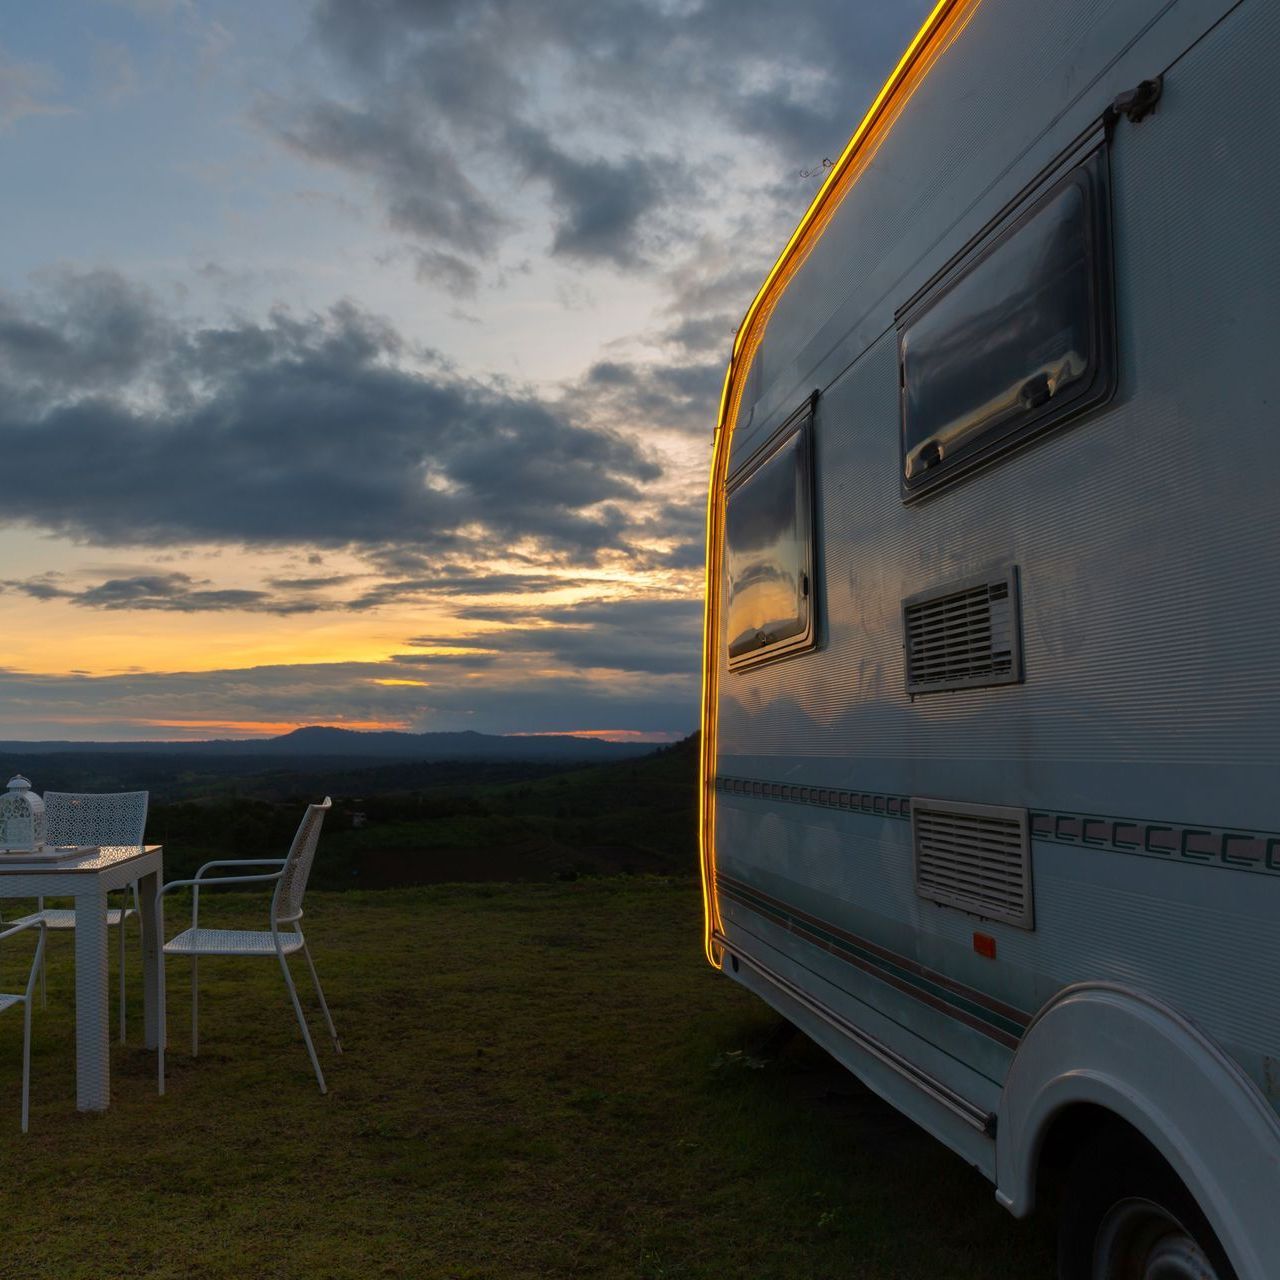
[
  {"x": 974, "y": 856},
  {"x": 964, "y": 636}
]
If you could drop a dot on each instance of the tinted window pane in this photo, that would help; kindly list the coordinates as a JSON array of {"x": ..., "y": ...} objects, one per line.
[
  {"x": 1013, "y": 339},
  {"x": 767, "y": 552}
]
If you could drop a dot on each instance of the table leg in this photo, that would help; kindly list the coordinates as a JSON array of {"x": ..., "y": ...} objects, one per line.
[
  {"x": 152, "y": 915},
  {"x": 93, "y": 1045}
]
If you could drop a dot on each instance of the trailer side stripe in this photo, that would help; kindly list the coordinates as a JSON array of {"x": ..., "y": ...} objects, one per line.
[
  {"x": 873, "y": 802},
  {"x": 1227, "y": 848},
  {"x": 999, "y": 1021}
]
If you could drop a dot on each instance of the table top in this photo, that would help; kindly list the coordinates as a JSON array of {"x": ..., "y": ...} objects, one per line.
[{"x": 106, "y": 857}]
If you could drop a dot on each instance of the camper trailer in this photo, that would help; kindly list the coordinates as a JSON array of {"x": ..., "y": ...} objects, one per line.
[{"x": 991, "y": 719}]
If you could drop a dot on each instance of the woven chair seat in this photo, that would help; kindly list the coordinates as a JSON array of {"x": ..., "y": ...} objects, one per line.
[
  {"x": 57, "y": 918},
  {"x": 230, "y": 942}
]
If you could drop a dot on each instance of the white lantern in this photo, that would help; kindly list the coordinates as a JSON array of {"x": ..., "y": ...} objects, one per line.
[{"x": 21, "y": 818}]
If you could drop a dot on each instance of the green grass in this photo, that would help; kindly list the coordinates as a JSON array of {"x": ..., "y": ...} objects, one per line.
[{"x": 539, "y": 1081}]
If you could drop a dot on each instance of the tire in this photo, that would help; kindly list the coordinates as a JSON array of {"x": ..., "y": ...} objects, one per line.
[{"x": 1127, "y": 1216}]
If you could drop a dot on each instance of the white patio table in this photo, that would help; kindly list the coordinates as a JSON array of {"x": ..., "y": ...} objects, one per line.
[{"x": 88, "y": 879}]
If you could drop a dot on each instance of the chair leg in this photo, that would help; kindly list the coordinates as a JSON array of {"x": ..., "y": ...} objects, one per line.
[
  {"x": 122, "y": 975},
  {"x": 324, "y": 1004},
  {"x": 302, "y": 1022},
  {"x": 137, "y": 912},
  {"x": 44, "y": 995},
  {"x": 142, "y": 938},
  {"x": 26, "y": 1062},
  {"x": 164, "y": 1020},
  {"x": 195, "y": 1007}
]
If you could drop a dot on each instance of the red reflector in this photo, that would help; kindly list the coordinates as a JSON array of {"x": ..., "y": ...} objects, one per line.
[{"x": 985, "y": 945}]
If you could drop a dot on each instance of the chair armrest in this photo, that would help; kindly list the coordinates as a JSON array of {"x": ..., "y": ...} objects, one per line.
[
  {"x": 240, "y": 862},
  {"x": 35, "y": 922},
  {"x": 210, "y": 884},
  {"x": 39, "y": 924},
  {"x": 218, "y": 881}
]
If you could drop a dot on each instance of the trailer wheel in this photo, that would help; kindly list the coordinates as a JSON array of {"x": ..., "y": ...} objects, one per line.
[{"x": 1127, "y": 1216}]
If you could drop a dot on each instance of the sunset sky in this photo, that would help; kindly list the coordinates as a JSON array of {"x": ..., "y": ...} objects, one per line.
[{"x": 359, "y": 358}]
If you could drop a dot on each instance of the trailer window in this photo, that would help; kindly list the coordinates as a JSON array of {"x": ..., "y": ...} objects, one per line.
[
  {"x": 1014, "y": 338},
  {"x": 769, "y": 551}
]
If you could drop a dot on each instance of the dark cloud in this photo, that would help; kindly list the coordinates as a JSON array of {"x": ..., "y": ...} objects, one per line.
[
  {"x": 721, "y": 276},
  {"x": 471, "y": 659},
  {"x": 653, "y": 393},
  {"x": 454, "y": 274},
  {"x": 37, "y": 589},
  {"x": 600, "y": 205},
  {"x": 178, "y": 592},
  {"x": 704, "y": 335},
  {"x": 451, "y": 585},
  {"x": 317, "y": 429},
  {"x": 653, "y": 636},
  {"x": 89, "y": 331},
  {"x": 168, "y": 592},
  {"x": 309, "y": 584},
  {"x": 791, "y": 72},
  {"x": 435, "y": 103},
  {"x": 423, "y": 185},
  {"x": 680, "y": 526}
]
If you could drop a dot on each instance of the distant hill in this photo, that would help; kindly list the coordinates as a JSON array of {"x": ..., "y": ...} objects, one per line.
[{"x": 349, "y": 744}]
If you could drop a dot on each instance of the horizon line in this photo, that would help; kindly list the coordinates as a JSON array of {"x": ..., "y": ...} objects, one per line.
[{"x": 273, "y": 732}]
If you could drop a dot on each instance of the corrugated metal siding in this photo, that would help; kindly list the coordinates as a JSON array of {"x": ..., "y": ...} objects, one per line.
[{"x": 1146, "y": 538}]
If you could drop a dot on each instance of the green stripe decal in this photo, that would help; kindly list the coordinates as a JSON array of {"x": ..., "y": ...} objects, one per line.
[{"x": 1007, "y": 1029}]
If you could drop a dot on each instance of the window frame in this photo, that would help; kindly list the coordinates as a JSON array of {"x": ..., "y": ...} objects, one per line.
[
  {"x": 800, "y": 423},
  {"x": 1087, "y": 165}
]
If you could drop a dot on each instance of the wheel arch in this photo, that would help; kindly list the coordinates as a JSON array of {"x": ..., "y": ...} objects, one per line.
[{"x": 1101, "y": 1049}]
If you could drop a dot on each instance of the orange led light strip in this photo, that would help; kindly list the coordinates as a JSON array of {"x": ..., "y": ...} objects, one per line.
[{"x": 945, "y": 21}]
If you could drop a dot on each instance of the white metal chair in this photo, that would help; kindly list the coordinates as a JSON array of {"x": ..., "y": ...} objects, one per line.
[
  {"x": 281, "y": 940},
  {"x": 7, "y": 1001},
  {"x": 111, "y": 818}
]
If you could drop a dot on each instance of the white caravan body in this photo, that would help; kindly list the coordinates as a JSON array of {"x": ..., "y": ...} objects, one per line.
[{"x": 991, "y": 722}]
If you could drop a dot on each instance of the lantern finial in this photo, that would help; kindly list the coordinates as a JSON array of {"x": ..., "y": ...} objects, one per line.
[{"x": 21, "y": 817}]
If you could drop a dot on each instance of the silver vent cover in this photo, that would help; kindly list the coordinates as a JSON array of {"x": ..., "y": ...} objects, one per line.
[
  {"x": 974, "y": 856},
  {"x": 964, "y": 635}
]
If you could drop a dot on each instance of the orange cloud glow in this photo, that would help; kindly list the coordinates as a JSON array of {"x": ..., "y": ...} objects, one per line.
[{"x": 264, "y": 728}]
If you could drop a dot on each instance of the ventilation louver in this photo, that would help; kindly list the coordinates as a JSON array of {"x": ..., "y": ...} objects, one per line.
[
  {"x": 964, "y": 635},
  {"x": 974, "y": 856}
]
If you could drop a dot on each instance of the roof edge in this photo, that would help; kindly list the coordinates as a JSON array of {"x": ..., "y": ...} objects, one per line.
[{"x": 830, "y": 191}]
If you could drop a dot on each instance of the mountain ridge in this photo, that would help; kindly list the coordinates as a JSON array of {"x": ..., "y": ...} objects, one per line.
[{"x": 334, "y": 741}]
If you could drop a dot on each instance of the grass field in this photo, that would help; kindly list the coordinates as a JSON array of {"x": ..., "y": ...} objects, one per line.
[{"x": 539, "y": 1081}]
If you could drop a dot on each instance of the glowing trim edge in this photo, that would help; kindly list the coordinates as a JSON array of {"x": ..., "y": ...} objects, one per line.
[{"x": 712, "y": 927}]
